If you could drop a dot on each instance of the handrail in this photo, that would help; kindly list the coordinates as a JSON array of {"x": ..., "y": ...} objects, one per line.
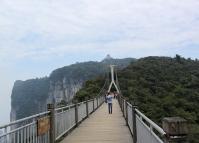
[
  {"x": 23, "y": 119},
  {"x": 69, "y": 106},
  {"x": 61, "y": 108},
  {"x": 17, "y": 129},
  {"x": 138, "y": 123},
  {"x": 61, "y": 121},
  {"x": 81, "y": 102},
  {"x": 39, "y": 114},
  {"x": 154, "y": 125},
  {"x": 80, "y": 112},
  {"x": 129, "y": 104}
]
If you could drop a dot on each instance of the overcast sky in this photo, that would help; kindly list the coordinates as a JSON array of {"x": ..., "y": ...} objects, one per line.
[{"x": 37, "y": 36}]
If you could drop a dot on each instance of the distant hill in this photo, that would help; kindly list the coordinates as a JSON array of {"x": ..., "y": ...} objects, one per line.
[
  {"x": 161, "y": 87},
  {"x": 87, "y": 70},
  {"x": 31, "y": 96}
]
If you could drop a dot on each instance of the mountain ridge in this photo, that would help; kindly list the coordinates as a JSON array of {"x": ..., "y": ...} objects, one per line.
[{"x": 31, "y": 96}]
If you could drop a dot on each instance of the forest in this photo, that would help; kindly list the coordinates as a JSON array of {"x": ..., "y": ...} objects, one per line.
[{"x": 160, "y": 87}]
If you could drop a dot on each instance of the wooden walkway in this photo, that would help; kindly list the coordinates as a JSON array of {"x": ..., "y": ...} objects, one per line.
[{"x": 102, "y": 127}]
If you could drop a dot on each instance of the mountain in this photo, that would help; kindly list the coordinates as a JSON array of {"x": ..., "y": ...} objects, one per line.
[
  {"x": 160, "y": 87},
  {"x": 31, "y": 96},
  {"x": 108, "y": 57}
]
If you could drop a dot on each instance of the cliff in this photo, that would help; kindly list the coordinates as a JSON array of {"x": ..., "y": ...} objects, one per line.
[
  {"x": 31, "y": 96},
  {"x": 28, "y": 97}
]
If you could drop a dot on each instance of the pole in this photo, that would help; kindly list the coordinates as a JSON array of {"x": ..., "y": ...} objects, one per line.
[
  {"x": 134, "y": 124},
  {"x": 122, "y": 105},
  {"x": 87, "y": 108},
  {"x": 51, "y": 108},
  {"x": 126, "y": 113},
  {"x": 97, "y": 101},
  {"x": 76, "y": 114},
  {"x": 93, "y": 104}
]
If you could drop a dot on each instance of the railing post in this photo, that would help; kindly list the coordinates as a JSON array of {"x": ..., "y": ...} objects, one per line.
[
  {"x": 76, "y": 114},
  {"x": 87, "y": 113},
  {"x": 102, "y": 100},
  {"x": 51, "y": 108},
  {"x": 93, "y": 104},
  {"x": 97, "y": 101},
  {"x": 120, "y": 101},
  {"x": 126, "y": 113},
  {"x": 123, "y": 107},
  {"x": 6, "y": 136},
  {"x": 134, "y": 124},
  {"x": 122, "y": 104}
]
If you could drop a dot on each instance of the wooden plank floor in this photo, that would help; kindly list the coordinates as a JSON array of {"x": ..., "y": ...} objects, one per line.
[{"x": 102, "y": 127}]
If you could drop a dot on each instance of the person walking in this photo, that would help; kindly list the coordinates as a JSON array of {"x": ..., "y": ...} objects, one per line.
[{"x": 109, "y": 101}]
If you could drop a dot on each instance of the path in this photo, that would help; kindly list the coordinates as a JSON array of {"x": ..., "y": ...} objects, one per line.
[{"x": 102, "y": 127}]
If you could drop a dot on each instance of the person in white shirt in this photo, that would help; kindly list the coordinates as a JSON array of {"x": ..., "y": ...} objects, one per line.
[{"x": 109, "y": 98}]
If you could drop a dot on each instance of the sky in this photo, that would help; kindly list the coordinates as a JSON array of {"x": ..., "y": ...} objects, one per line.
[{"x": 38, "y": 36}]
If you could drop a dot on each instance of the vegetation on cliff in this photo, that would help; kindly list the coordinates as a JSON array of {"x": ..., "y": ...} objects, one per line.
[
  {"x": 88, "y": 70},
  {"x": 91, "y": 89},
  {"x": 161, "y": 87}
]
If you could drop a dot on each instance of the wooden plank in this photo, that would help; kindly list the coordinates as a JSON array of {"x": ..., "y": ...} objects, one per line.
[{"x": 102, "y": 127}]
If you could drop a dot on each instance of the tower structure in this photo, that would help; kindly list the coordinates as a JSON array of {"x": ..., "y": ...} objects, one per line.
[{"x": 112, "y": 79}]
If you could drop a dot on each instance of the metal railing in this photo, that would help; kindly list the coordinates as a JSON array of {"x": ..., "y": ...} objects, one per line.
[
  {"x": 61, "y": 121},
  {"x": 68, "y": 117},
  {"x": 24, "y": 131},
  {"x": 142, "y": 128},
  {"x": 64, "y": 120}
]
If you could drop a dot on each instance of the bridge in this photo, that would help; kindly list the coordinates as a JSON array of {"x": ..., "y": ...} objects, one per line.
[{"x": 86, "y": 122}]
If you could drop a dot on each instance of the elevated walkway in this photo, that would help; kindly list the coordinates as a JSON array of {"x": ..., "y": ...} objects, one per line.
[{"x": 102, "y": 127}]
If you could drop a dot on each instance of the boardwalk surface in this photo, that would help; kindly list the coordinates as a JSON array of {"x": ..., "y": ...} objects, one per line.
[{"x": 102, "y": 127}]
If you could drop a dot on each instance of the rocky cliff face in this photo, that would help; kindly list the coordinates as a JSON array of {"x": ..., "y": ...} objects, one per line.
[
  {"x": 63, "y": 90},
  {"x": 31, "y": 96}
]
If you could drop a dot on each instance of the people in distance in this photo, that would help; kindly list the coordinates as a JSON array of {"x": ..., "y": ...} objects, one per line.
[{"x": 109, "y": 98}]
